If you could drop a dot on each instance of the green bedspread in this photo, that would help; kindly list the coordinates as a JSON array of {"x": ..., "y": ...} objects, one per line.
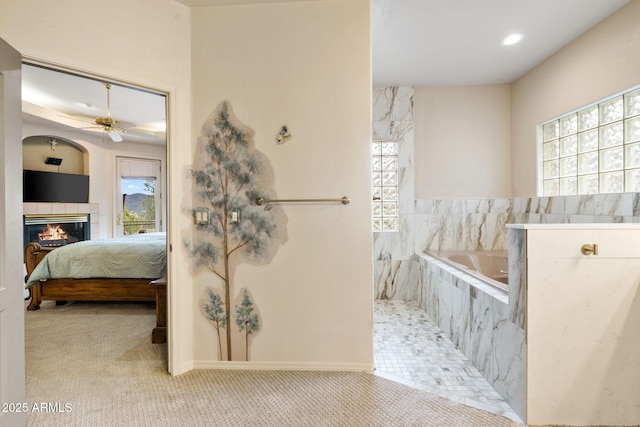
[{"x": 139, "y": 256}]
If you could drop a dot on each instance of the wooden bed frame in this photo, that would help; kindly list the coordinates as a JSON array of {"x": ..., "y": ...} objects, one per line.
[{"x": 94, "y": 289}]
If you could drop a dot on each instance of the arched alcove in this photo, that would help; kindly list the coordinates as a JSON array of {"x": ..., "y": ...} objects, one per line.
[{"x": 72, "y": 157}]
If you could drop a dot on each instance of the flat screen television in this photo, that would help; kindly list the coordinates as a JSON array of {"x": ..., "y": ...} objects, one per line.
[{"x": 41, "y": 186}]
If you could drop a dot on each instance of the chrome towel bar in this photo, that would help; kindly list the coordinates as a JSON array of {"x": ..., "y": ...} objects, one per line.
[{"x": 261, "y": 200}]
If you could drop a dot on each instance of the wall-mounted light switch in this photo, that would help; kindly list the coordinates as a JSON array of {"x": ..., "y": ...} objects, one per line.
[
  {"x": 201, "y": 216},
  {"x": 235, "y": 216}
]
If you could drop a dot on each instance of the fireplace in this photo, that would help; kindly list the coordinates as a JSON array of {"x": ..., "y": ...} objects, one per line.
[{"x": 56, "y": 230}]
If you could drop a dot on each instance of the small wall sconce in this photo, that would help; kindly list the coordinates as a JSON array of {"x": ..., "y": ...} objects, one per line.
[
  {"x": 201, "y": 216},
  {"x": 53, "y": 144},
  {"x": 283, "y": 136}
]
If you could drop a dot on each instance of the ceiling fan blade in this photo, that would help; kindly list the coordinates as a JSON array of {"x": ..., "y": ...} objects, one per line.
[
  {"x": 114, "y": 135},
  {"x": 140, "y": 134},
  {"x": 79, "y": 119},
  {"x": 124, "y": 125}
]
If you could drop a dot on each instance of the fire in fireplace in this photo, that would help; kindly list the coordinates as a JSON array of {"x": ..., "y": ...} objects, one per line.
[
  {"x": 55, "y": 230},
  {"x": 54, "y": 235}
]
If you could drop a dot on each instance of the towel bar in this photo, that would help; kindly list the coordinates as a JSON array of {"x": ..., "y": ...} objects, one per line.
[{"x": 261, "y": 200}]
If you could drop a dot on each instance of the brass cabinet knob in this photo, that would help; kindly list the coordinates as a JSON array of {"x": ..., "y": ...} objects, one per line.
[{"x": 589, "y": 249}]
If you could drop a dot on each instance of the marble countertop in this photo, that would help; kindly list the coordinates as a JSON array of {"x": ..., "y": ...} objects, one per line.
[{"x": 577, "y": 226}]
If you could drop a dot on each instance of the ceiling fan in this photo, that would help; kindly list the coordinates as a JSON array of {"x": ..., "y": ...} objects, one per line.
[
  {"x": 113, "y": 128},
  {"x": 107, "y": 123}
]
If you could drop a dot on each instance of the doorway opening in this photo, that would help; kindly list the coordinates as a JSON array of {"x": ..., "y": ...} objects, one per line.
[{"x": 125, "y": 142}]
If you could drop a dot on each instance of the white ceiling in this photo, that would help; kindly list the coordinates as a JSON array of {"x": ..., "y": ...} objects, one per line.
[
  {"x": 64, "y": 102},
  {"x": 414, "y": 43},
  {"x": 457, "y": 42}
]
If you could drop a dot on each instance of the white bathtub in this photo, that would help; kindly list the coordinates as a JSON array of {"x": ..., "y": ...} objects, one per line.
[{"x": 489, "y": 266}]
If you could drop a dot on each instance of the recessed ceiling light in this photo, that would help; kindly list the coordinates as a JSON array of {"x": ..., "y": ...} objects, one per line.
[{"x": 512, "y": 39}]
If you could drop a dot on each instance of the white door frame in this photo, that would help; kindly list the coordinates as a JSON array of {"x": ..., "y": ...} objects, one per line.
[{"x": 12, "y": 365}]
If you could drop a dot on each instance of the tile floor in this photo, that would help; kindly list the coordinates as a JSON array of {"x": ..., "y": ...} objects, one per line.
[{"x": 411, "y": 349}]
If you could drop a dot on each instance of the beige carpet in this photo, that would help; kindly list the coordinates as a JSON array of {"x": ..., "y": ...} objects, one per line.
[{"x": 93, "y": 364}]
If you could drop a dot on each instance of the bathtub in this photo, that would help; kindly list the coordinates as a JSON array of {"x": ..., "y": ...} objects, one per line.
[{"x": 489, "y": 266}]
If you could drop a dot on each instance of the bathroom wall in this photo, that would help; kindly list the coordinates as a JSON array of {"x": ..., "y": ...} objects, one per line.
[
  {"x": 600, "y": 63},
  {"x": 305, "y": 65},
  {"x": 480, "y": 141},
  {"x": 463, "y": 138},
  {"x": 393, "y": 119}
]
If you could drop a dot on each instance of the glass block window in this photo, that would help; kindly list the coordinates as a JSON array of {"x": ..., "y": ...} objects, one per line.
[
  {"x": 593, "y": 150},
  {"x": 385, "y": 185}
]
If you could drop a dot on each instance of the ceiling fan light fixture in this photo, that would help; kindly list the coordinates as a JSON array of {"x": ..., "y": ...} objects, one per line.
[
  {"x": 512, "y": 39},
  {"x": 105, "y": 121}
]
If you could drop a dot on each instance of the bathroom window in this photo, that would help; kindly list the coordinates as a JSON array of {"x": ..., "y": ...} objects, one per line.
[
  {"x": 595, "y": 149},
  {"x": 385, "y": 185}
]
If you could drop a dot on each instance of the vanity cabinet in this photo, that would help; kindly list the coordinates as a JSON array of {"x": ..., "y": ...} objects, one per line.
[{"x": 582, "y": 323}]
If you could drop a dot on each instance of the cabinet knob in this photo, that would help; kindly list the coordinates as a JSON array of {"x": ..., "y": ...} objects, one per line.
[{"x": 589, "y": 249}]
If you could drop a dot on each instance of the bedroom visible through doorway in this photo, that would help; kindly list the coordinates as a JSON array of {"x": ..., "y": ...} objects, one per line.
[{"x": 139, "y": 115}]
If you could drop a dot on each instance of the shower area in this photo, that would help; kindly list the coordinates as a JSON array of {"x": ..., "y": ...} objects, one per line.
[
  {"x": 410, "y": 347},
  {"x": 440, "y": 325}
]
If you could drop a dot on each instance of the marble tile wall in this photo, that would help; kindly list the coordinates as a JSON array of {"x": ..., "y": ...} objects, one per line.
[
  {"x": 394, "y": 268},
  {"x": 479, "y": 224}
]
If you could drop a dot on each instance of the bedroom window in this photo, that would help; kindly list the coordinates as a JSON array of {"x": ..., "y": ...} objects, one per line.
[
  {"x": 138, "y": 200},
  {"x": 385, "y": 185},
  {"x": 595, "y": 149}
]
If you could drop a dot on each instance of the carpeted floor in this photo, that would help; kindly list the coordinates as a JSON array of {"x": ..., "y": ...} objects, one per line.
[{"x": 93, "y": 364}]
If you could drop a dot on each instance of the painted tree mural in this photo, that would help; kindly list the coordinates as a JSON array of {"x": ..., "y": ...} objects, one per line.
[
  {"x": 228, "y": 175},
  {"x": 216, "y": 314},
  {"x": 246, "y": 320}
]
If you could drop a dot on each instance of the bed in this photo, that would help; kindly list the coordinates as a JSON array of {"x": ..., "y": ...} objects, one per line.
[{"x": 119, "y": 269}]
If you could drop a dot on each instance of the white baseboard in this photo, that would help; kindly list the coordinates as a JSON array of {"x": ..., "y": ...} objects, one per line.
[{"x": 283, "y": 366}]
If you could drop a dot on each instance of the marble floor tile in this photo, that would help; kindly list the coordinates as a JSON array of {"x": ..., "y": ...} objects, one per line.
[{"x": 411, "y": 349}]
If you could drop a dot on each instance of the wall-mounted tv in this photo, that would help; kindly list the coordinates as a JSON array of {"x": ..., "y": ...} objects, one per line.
[{"x": 41, "y": 186}]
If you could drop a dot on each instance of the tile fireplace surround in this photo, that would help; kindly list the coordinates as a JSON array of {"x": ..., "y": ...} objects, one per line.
[{"x": 93, "y": 209}]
